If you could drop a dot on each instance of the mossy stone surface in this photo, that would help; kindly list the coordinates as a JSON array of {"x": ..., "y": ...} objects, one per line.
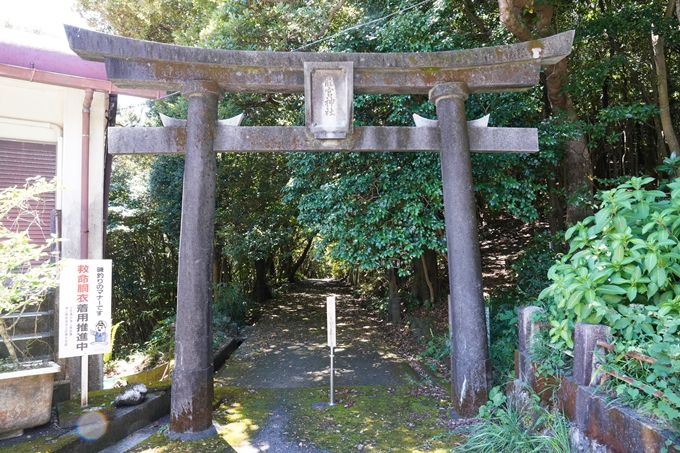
[{"x": 366, "y": 418}]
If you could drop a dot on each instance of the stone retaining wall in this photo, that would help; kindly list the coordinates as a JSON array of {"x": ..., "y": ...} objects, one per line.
[{"x": 598, "y": 425}]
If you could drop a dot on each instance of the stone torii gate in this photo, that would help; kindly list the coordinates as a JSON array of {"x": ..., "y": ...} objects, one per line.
[{"x": 329, "y": 81}]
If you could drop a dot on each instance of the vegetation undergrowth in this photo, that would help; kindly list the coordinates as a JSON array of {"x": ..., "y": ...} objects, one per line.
[
  {"x": 230, "y": 307},
  {"x": 517, "y": 423},
  {"x": 370, "y": 418},
  {"x": 623, "y": 270},
  {"x": 438, "y": 347},
  {"x": 529, "y": 278}
]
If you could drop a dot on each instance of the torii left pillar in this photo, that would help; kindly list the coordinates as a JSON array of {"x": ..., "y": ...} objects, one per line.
[{"x": 192, "y": 378}]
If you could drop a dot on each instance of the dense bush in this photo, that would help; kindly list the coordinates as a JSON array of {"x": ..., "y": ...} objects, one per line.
[
  {"x": 623, "y": 270},
  {"x": 230, "y": 305},
  {"x": 144, "y": 256}
]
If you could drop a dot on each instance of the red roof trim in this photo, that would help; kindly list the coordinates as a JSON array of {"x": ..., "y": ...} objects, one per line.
[{"x": 70, "y": 81}]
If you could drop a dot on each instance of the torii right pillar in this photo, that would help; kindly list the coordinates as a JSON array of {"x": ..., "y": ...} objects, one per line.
[{"x": 470, "y": 364}]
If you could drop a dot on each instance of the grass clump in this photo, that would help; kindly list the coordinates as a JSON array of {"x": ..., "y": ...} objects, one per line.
[{"x": 517, "y": 424}]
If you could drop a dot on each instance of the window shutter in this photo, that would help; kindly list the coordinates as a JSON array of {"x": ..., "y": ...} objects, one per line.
[{"x": 22, "y": 160}]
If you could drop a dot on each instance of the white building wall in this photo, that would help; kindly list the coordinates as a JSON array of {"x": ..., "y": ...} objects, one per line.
[{"x": 42, "y": 113}]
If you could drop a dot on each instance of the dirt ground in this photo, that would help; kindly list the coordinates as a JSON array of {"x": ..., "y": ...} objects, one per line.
[{"x": 288, "y": 347}]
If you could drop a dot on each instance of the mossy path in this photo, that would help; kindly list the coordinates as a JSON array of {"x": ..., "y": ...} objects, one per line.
[{"x": 265, "y": 392}]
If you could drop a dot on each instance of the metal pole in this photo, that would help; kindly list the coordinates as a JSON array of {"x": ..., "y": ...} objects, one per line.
[
  {"x": 84, "y": 385},
  {"x": 332, "y": 403}
]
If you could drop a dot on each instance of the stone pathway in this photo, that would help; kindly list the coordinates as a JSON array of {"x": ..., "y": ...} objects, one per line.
[
  {"x": 288, "y": 346},
  {"x": 288, "y": 349}
]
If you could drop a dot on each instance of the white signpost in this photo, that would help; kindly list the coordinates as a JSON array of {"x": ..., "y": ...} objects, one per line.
[
  {"x": 85, "y": 312},
  {"x": 330, "y": 328}
]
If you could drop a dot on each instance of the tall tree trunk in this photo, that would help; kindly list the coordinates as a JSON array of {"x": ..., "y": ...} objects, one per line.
[
  {"x": 659, "y": 47},
  {"x": 469, "y": 11},
  {"x": 298, "y": 263},
  {"x": 577, "y": 163},
  {"x": 578, "y": 168},
  {"x": 261, "y": 291},
  {"x": 271, "y": 268},
  {"x": 394, "y": 302},
  {"x": 428, "y": 280},
  {"x": 425, "y": 284},
  {"x": 578, "y": 172},
  {"x": 419, "y": 290},
  {"x": 655, "y": 156}
]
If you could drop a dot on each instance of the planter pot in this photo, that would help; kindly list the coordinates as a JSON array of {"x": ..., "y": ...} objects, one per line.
[{"x": 25, "y": 399}]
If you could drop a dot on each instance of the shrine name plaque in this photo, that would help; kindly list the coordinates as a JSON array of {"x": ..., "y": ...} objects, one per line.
[{"x": 329, "y": 96}]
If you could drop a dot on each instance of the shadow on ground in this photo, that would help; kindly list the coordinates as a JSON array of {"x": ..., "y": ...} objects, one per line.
[
  {"x": 266, "y": 390},
  {"x": 288, "y": 347}
]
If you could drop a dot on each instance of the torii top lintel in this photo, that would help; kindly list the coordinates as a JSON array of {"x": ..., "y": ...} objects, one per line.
[{"x": 132, "y": 63}]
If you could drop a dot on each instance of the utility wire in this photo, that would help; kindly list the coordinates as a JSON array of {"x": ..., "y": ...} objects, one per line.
[
  {"x": 362, "y": 25},
  {"x": 166, "y": 96}
]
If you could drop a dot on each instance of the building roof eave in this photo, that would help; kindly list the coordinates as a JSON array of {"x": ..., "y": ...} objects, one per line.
[{"x": 71, "y": 81}]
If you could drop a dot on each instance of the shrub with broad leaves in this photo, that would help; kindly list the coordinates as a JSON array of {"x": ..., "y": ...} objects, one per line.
[{"x": 623, "y": 270}]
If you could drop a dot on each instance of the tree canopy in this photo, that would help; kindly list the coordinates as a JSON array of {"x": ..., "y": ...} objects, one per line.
[{"x": 608, "y": 110}]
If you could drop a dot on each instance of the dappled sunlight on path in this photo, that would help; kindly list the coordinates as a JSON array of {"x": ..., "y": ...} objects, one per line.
[
  {"x": 270, "y": 389},
  {"x": 288, "y": 347}
]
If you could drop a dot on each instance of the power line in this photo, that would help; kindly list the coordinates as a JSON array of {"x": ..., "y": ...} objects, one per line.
[{"x": 354, "y": 27}]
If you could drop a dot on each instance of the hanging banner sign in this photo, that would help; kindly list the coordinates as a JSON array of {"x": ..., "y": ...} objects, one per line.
[
  {"x": 330, "y": 320},
  {"x": 85, "y": 308}
]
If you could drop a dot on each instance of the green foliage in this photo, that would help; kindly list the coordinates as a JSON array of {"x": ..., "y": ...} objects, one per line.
[
  {"x": 27, "y": 270},
  {"x": 114, "y": 329},
  {"x": 438, "y": 347},
  {"x": 230, "y": 305},
  {"x": 503, "y": 334},
  {"x": 612, "y": 75},
  {"x": 161, "y": 343},
  {"x": 517, "y": 424},
  {"x": 623, "y": 270},
  {"x": 268, "y": 25},
  {"x": 253, "y": 221},
  {"x": 615, "y": 115},
  {"x": 670, "y": 167},
  {"x": 145, "y": 255},
  {"x": 370, "y": 209},
  {"x": 153, "y": 20}
]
